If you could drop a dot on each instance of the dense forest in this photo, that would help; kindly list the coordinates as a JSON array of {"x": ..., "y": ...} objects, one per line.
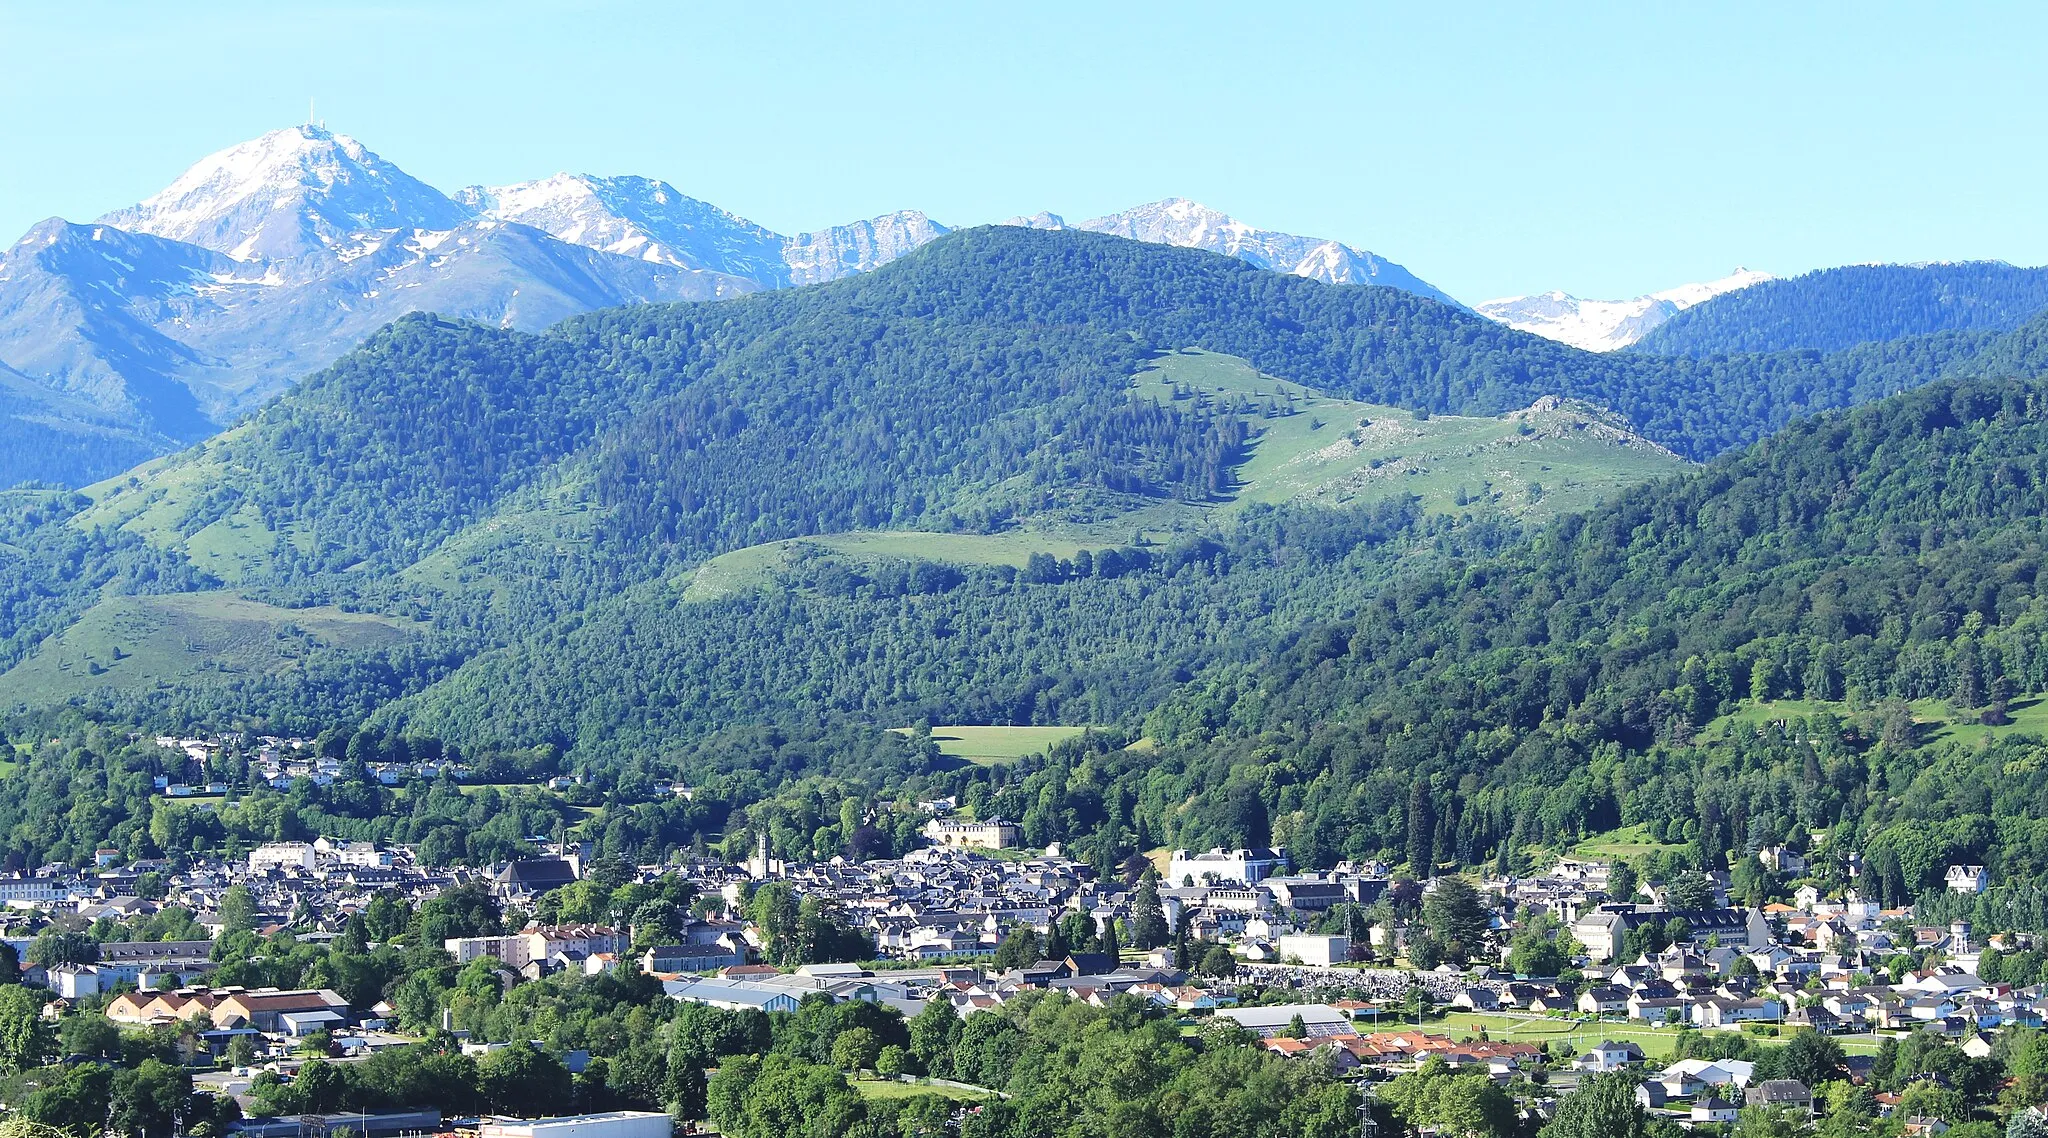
[{"x": 1832, "y": 309}]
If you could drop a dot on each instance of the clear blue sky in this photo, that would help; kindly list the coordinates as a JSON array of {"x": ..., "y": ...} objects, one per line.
[{"x": 1606, "y": 150}]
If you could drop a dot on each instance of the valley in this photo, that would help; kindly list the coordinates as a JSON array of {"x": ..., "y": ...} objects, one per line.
[{"x": 601, "y": 617}]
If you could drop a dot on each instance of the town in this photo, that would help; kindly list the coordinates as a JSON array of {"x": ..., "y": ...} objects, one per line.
[{"x": 1531, "y": 982}]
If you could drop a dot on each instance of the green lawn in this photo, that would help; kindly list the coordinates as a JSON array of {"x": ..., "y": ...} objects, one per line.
[
  {"x": 890, "y": 1088},
  {"x": 994, "y": 745}
]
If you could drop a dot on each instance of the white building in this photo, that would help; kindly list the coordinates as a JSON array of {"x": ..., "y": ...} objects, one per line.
[
  {"x": 1968, "y": 879},
  {"x": 1321, "y": 951},
  {"x": 21, "y": 887},
  {"x": 281, "y": 855},
  {"x": 1247, "y": 867},
  {"x": 611, "y": 1124},
  {"x": 994, "y": 834},
  {"x": 364, "y": 855}
]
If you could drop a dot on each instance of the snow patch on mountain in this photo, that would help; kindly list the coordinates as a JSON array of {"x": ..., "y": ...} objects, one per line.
[
  {"x": 290, "y": 194},
  {"x": 1608, "y": 325}
]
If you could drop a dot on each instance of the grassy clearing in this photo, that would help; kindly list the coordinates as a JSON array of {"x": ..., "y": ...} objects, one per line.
[
  {"x": 1339, "y": 452},
  {"x": 561, "y": 527},
  {"x": 995, "y": 745},
  {"x": 891, "y": 1089},
  {"x": 1625, "y": 842},
  {"x": 1329, "y": 451},
  {"x": 139, "y": 643},
  {"x": 1937, "y": 721},
  {"x": 756, "y": 565}
]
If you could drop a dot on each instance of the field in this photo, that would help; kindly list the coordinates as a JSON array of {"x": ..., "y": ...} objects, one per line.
[
  {"x": 139, "y": 643},
  {"x": 991, "y": 746},
  {"x": 1655, "y": 1042},
  {"x": 1535, "y": 462},
  {"x": 892, "y": 1089},
  {"x": 753, "y": 566}
]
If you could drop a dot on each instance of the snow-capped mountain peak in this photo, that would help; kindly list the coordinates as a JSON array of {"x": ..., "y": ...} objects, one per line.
[
  {"x": 642, "y": 218},
  {"x": 1687, "y": 295},
  {"x": 1192, "y": 225},
  {"x": 1039, "y": 220},
  {"x": 289, "y": 193},
  {"x": 1608, "y": 325}
]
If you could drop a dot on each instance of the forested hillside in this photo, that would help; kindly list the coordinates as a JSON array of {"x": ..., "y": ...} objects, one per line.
[
  {"x": 1832, "y": 309},
  {"x": 1828, "y": 632},
  {"x": 526, "y": 514}
]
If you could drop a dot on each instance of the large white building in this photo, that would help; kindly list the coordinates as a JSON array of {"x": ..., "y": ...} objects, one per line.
[
  {"x": 994, "y": 834},
  {"x": 1247, "y": 867},
  {"x": 611, "y": 1124},
  {"x": 281, "y": 855},
  {"x": 1321, "y": 951},
  {"x": 536, "y": 942}
]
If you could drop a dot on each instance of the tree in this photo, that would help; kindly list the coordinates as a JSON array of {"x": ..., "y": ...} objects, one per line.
[
  {"x": 1455, "y": 914},
  {"x": 237, "y": 911},
  {"x": 1604, "y": 1106},
  {"x": 26, "y": 1038},
  {"x": 1017, "y": 950},
  {"x": 520, "y": 1080},
  {"x": 686, "y": 1089},
  {"x": 241, "y": 1051},
  {"x": 2026, "y": 1123},
  {"x": 76, "y": 1103},
  {"x": 53, "y": 946},
  {"x": 1622, "y": 881},
  {"x": 149, "y": 1099},
  {"x": 1538, "y": 950},
  {"x": 1469, "y": 1105},
  {"x": 1218, "y": 962},
  {"x": 890, "y": 1061},
  {"x": 776, "y": 910},
  {"x": 1812, "y": 1058},
  {"x": 1689, "y": 890},
  {"x": 1148, "y": 915},
  {"x": 855, "y": 1050},
  {"x": 933, "y": 1032},
  {"x": 1421, "y": 830},
  {"x": 1425, "y": 951},
  {"x": 91, "y": 1036}
]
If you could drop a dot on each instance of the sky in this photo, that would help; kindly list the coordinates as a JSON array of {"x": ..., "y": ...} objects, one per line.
[{"x": 1607, "y": 150}]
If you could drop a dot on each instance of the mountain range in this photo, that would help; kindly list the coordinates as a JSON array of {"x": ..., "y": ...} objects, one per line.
[
  {"x": 1368, "y": 574},
  {"x": 157, "y": 324},
  {"x": 670, "y": 518},
  {"x": 1608, "y": 325}
]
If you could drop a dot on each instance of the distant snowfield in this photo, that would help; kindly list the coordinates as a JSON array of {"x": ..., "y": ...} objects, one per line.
[{"x": 1607, "y": 325}]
